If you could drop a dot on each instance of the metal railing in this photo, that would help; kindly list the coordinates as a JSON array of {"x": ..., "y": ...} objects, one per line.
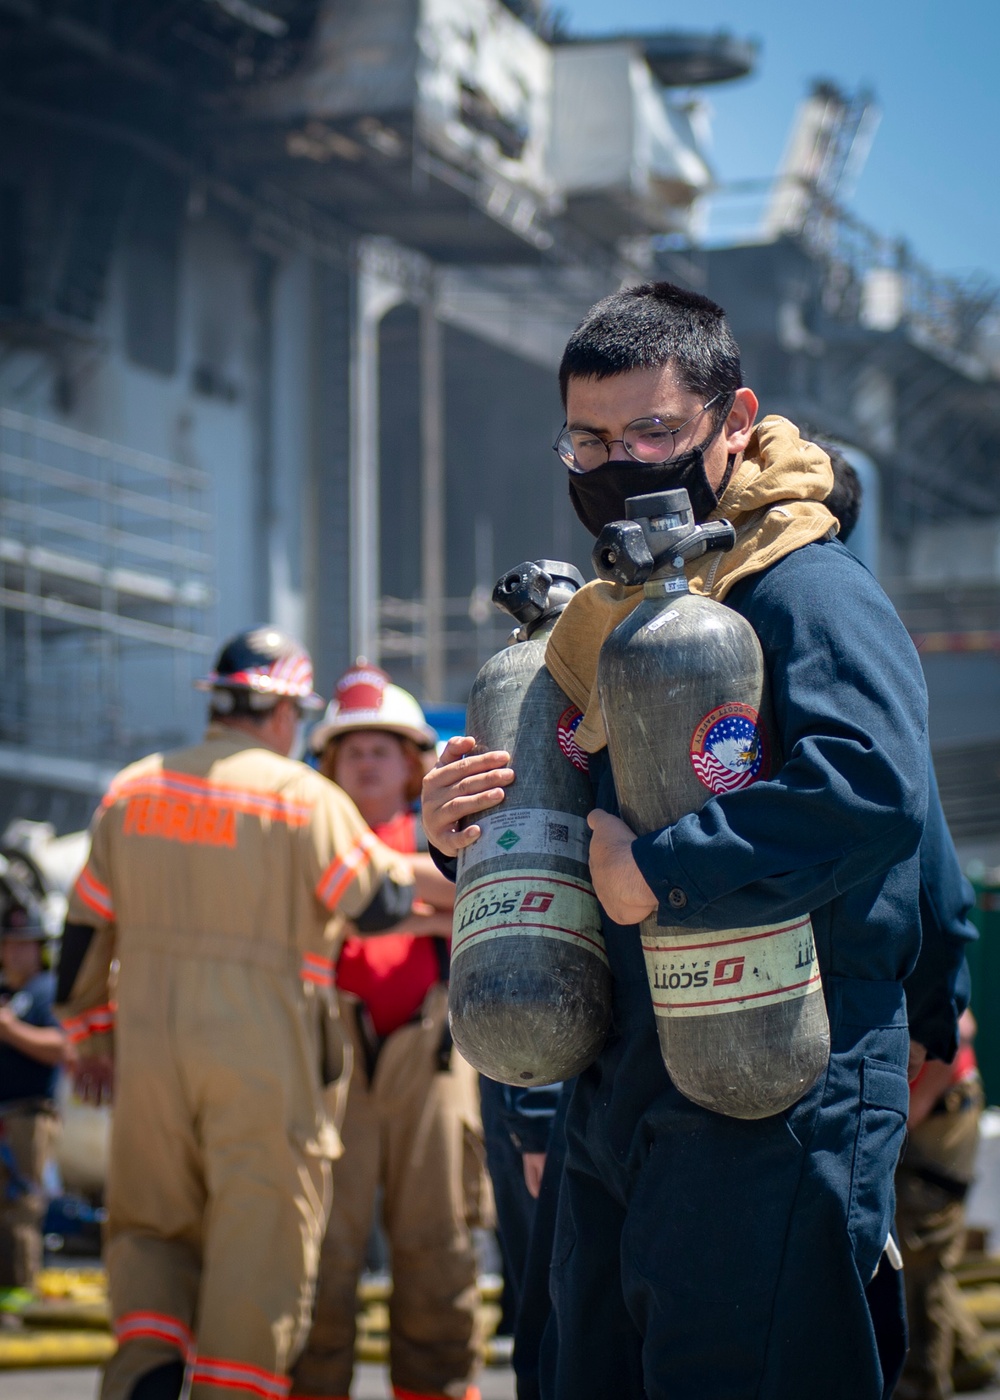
[
  {"x": 106, "y": 591},
  {"x": 875, "y": 281},
  {"x": 468, "y": 631}
]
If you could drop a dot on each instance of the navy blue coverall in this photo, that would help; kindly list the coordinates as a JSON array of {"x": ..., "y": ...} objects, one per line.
[
  {"x": 515, "y": 1120},
  {"x": 700, "y": 1257},
  {"x": 938, "y": 988}
]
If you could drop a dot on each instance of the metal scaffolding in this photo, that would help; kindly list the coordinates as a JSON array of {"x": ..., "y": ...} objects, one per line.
[{"x": 106, "y": 590}]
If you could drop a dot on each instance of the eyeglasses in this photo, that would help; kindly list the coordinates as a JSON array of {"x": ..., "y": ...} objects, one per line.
[{"x": 649, "y": 441}]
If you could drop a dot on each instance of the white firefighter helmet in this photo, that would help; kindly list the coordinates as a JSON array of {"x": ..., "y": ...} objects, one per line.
[{"x": 365, "y": 698}]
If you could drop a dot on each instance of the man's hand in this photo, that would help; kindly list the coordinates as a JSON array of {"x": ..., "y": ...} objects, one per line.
[
  {"x": 618, "y": 881},
  {"x": 46, "y": 1044},
  {"x": 534, "y": 1166},
  {"x": 94, "y": 1079},
  {"x": 424, "y": 921},
  {"x": 915, "y": 1060},
  {"x": 933, "y": 1083},
  {"x": 460, "y": 784}
]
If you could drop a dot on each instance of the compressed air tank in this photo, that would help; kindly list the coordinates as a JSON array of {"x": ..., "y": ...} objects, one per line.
[
  {"x": 740, "y": 1012},
  {"x": 530, "y": 987}
]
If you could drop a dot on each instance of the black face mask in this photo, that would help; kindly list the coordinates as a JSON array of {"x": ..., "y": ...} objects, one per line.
[{"x": 599, "y": 496}]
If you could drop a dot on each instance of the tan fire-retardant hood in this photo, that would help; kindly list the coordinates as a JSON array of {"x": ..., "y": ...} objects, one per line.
[{"x": 774, "y": 501}]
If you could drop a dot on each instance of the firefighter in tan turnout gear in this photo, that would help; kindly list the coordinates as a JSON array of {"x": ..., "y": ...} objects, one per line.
[
  {"x": 412, "y": 1124},
  {"x": 217, "y": 886}
]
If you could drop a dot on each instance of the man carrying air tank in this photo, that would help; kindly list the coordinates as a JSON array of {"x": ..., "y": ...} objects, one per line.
[{"x": 700, "y": 1255}]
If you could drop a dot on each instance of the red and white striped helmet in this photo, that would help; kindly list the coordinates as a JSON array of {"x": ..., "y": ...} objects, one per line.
[
  {"x": 365, "y": 698},
  {"x": 268, "y": 663}
]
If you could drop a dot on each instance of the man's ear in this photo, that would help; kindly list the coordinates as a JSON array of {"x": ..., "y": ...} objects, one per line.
[{"x": 739, "y": 421}]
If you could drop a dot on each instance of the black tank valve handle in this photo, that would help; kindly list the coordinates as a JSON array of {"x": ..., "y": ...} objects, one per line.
[
  {"x": 658, "y": 538},
  {"x": 536, "y": 590}
]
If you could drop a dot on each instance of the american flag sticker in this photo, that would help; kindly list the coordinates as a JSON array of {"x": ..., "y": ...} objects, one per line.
[
  {"x": 728, "y": 749},
  {"x": 569, "y": 722}
]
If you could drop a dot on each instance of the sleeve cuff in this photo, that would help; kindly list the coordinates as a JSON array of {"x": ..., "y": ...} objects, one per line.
[
  {"x": 448, "y": 865},
  {"x": 938, "y": 1037},
  {"x": 97, "y": 1024},
  {"x": 679, "y": 900},
  {"x": 533, "y": 1138}
]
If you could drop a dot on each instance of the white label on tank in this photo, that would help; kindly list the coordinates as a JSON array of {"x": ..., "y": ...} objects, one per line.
[
  {"x": 528, "y": 902},
  {"x": 661, "y": 620},
  {"x": 702, "y": 973},
  {"x": 528, "y": 831}
]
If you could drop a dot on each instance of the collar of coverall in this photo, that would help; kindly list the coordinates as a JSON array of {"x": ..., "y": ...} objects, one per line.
[{"x": 775, "y": 502}]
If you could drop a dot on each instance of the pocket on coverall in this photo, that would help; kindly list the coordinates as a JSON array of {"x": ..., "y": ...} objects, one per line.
[{"x": 884, "y": 1104}]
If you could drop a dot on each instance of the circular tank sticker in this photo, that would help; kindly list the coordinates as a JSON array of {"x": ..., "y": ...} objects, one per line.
[
  {"x": 569, "y": 722},
  {"x": 727, "y": 748}
]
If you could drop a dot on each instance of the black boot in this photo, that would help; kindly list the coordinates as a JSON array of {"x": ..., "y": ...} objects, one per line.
[{"x": 163, "y": 1383}]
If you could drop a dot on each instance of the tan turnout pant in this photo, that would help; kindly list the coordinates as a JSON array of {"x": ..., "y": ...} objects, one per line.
[
  {"x": 218, "y": 1185},
  {"x": 416, "y": 1131},
  {"x": 930, "y": 1221},
  {"x": 28, "y": 1133}
]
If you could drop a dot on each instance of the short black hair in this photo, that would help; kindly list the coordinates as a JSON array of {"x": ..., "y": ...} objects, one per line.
[
  {"x": 651, "y": 325},
  {"x": 845, "y": 500}
]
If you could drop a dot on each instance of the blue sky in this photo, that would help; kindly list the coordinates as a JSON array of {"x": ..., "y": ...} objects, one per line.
[{"x": 933, "y": 175}]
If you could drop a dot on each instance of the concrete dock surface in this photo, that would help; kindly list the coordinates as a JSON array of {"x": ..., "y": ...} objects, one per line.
[{"x": 80, "y": 1383}]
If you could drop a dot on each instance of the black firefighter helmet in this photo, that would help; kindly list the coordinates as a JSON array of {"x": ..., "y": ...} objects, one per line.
[
  {"x": 20, "y": 909},
  {"x": 265, "y": 665}
]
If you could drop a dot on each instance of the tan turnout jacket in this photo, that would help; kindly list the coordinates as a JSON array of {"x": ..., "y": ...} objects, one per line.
[
  {"x": 218, "y": 883},
  {"x": 222, "y": 851}
]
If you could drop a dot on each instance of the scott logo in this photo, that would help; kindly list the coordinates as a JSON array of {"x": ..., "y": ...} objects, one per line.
[
  {"x": 728, "y": 971},
  {"x": 536, "y": 902}
]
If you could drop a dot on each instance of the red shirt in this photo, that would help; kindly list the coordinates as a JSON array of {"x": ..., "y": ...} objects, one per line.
[{"x": 391, "y": 972}]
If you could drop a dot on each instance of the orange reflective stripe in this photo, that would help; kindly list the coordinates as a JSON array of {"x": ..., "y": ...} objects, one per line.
[
  {"x": 316, "y": 968},
  {"x": 237, "y": 1375},
  {"x": 266, "y": 805},
  {"x": 472, "y": 1393},
  {"x": 158, "y": 1326},
  {"x": 95, "y": 895},
  {"x": 99, "y": 1020},
  {"x": 338, "y": 875}
]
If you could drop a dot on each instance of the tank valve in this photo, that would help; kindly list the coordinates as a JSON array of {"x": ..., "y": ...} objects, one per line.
[
  {"x": 658, "y": 538},
  {"x": 535, "y": 591}
]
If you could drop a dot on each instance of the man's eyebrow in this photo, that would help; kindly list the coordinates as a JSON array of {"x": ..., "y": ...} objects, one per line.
[{"x": 664, "y": 416}]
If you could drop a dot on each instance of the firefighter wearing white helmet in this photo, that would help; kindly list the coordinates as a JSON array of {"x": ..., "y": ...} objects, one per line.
[
  {"x": 366, "y": 699},
  {"x": 219, "y": 880},
  {"x": 411, "y": 1124}
]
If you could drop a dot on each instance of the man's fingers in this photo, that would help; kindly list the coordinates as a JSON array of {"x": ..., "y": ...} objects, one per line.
[
  {"x": 447, "y": 774},
  {"x": 458, "y": 745},
  {"x": 454, "y": 810}
]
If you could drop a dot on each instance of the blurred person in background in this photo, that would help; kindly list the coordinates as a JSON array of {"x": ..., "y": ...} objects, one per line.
[
  {"x": 32, "y": 1047},
  {"x": 411, "y": 1126},
  {"x": 217, "y": 884},
  {"x": 932, "y": 1182}
]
